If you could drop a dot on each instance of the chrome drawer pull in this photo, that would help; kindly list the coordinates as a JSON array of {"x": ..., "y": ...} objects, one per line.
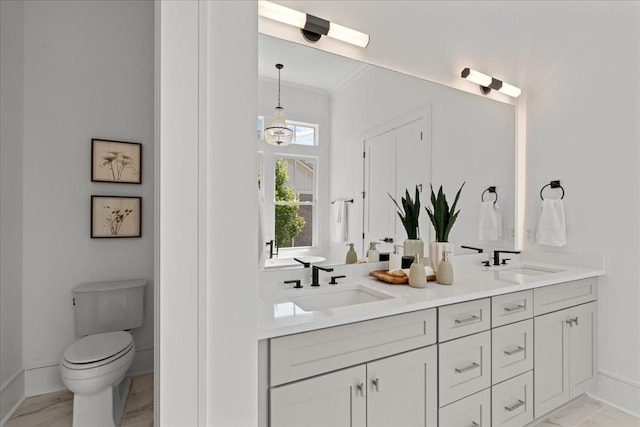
[
  {"x": 360, "y": 388},
  {"x": 514, "y": 351},
  {"x": 464, "y": 320},
  {"x": 514, "y": 407},
  {"x": 515, "y": 308},
  {"x": 474, "y": 424},
  {"x": 474, "y": 365}
]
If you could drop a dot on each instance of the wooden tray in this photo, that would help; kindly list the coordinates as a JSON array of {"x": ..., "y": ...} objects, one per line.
[{"x": 395, "y": 280}]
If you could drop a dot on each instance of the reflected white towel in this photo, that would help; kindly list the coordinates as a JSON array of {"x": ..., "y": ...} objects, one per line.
[
  {"x": 339, "y": 220},
  {"x": 552, "y": 229},
  {"x": 490, "y": 221},
  {"x": 262, "y": 232}
]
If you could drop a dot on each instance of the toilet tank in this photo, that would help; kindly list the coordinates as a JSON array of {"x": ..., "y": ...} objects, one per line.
[{"x": 108, "y": 306}]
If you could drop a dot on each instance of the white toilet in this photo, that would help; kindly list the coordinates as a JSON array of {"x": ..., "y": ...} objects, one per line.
[{"x": 94, "y": 367}]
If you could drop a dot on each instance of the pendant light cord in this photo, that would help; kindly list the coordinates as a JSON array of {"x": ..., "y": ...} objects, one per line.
[{"x": 279, "y": 67}]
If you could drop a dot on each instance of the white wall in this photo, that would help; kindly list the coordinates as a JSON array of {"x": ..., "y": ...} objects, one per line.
[
  {"x": 588, "y": 138},
  {"x": 471, "y": 140},
  {"x": 88, "y": 73},
  {"x": 208, "y": 210},
  {"x": 577, "y": 63},
  {"x": 11, "y": 81}
]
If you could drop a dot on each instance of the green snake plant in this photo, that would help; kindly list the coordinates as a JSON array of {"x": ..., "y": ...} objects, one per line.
[
  {"x": 442, "y": 216},
  {"x": 409, "y": 213}
]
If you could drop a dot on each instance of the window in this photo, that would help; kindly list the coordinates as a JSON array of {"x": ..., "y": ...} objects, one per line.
[
  {"x": 294, "y": 201},
  {"x": 288, "y": 182}
]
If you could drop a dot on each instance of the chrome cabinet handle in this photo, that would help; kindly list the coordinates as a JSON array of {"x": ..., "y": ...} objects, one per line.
[
  {"x": 514, "y": 407},
  {"x": 360, "y": 388},
  {"x": 376, "y": 383},
  {"x": 514, "y": 308},
  {"x": 474, "y": 365},
  {"x": 572, "y": 321},
  {"x": 475, "y": 424},
  {"x": 514, "y": 351},
  {"x": 464, "y": 320}
]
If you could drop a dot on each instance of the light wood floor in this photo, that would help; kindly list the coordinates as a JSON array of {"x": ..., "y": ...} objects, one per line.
[{"x": 56, "y": 409}]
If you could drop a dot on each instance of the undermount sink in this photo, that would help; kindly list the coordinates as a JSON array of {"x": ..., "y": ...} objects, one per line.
[
  {"x": 290, "y": 262},
  {"x": 518, "y": 274},
  {"x": 530, "y": 271},
  {"x": 340, "y": 296}
]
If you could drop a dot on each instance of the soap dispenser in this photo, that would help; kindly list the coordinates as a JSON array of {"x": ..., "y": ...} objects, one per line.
[
  {"x": 372, "y": 254},
  {"x": 395, "y": 259},
  {"x": 417, "y": 276},
  {"x": 352, "y": 256},
  {"x": 444, "y": 275}
]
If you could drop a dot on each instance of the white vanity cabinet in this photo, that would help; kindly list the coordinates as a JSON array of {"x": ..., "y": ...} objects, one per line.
[
  {"x": 381, "y": 372},
  {"x": 503, "y": 360},
  {"x": 565, "y": 355}
]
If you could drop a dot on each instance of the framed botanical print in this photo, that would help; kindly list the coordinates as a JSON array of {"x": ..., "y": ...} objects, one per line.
[
  {"x": 116, "y": 216},
  {"x": 116, "y": 161}
]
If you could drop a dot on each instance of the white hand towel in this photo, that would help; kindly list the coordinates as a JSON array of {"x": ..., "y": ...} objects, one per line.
[
  {"x": 339, "y": 220},
  {"x": 552, "y": 229},
  {"x": 490, "y": 221}
]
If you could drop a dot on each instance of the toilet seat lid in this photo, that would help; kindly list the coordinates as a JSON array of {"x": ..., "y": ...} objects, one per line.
[{"x": 94, "y": 348}]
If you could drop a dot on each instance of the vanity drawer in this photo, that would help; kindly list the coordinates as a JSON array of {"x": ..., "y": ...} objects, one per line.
[
  {"x": 512, "y": 401},
  {"x": 466, "y": 318},
  {"x": 556, "y": 297},
  {"x": 511, "y": 308},
  {"x": 311, "y": 353},
  {"x": 472, "y": 411},
  {"x": 511, "y": 350},
  {"x": 464, "y": 366}
]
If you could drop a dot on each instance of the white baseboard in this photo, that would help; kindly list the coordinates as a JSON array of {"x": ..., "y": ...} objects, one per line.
[
  {"x": 46, "y": 378},
  {"x": 11, "y": 395},
  {"x": 621, "y": 393}
]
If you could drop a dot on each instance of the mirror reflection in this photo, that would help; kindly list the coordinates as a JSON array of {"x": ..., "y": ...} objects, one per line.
[{"x": 362, "y": 133}]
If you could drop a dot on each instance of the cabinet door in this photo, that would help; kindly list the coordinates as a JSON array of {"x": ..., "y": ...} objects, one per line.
[
  {"x": 551, "y": 358},
  {"x": 336, "y": 399},
  {"x": 582, "y": 341},
  {"x": 402, "y": 390}
]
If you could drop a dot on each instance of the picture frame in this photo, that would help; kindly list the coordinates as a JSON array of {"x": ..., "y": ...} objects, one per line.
[
  {"x": 116, "y": 161},
  {"x": 116, "y": 216}
]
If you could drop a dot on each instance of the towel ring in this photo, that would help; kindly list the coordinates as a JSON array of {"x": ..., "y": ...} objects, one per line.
[
  {"x": 490, "y": 190},
  {"x": 553, "y": 184}
]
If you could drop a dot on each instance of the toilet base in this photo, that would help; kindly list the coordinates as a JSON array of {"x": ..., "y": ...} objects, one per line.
[{"x": 102, "y": 409}]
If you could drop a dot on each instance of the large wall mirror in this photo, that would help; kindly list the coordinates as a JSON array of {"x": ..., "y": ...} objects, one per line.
[{"x": 360, "y": 128}]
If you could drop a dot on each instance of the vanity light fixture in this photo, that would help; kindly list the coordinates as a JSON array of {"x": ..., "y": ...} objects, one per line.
[
  {"x": 312, "y": 27},
  {"x": 278, "y": 133},
  {"x": 487, "y": 83}
]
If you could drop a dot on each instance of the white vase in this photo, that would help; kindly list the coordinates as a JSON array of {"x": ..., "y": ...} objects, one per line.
[
  {"x": 436, "y": 249},
  {"x": 412, "y": 247}
]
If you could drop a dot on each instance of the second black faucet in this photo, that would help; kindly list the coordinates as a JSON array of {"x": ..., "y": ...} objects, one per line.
[{"x": 315, "y": 272}]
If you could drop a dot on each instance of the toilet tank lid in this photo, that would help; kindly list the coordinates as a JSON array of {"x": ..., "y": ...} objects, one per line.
[{"x": 109, "y": 286}]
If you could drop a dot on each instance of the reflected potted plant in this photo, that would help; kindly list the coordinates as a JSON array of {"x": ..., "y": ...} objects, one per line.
[
  {"x": 442, "y": 217},
  {"x": 409, "y": 214}
]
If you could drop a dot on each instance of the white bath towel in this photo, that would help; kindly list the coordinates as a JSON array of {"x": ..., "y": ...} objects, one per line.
[
  {"x": 490, "y": 221},
  {"x": 339, "y": 221},
  {"x": 552, "y": 229}
]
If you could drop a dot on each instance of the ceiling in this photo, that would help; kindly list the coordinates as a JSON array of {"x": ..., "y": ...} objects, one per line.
[{"x": 304, "y": 65}]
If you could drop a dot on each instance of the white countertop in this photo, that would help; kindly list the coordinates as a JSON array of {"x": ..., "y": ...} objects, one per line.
[{"x": 280, "y": 316}]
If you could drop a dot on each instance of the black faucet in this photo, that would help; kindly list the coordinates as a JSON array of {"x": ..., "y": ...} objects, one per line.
[
  {"x": 480, "y": 250},
  {"x": 496, "y": 256},
  {"x": 304, "y": 263},
  {"x": 314, "y": 274}
]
